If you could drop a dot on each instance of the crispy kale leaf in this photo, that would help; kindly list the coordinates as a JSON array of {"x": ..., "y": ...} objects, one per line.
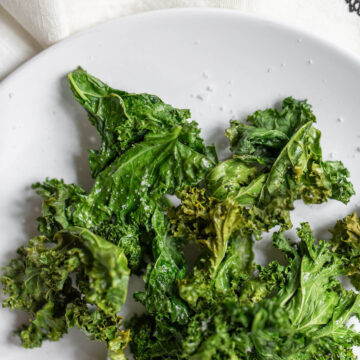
[
  {"x": 299, "y": 170},
  {"x": 58, "y": 212},
  {"x": 305, "y": 319},
  {"x": 58, "y": 200},
  {"x": 277, "y": 160},
  {"x": 166, "y": 153},
  {"x": 288, "y": 146},
  {"x": 133, "y": 185},
  {"x": 242, "y": 197},
  {"x": 75, "y": 274},
  {"x": 161, "y": 296},
  {"x": 302, "y": 317},
  {"x": 55, "y": 280},
  {"x": 121, "y": 118},
  {"x": 269, "y": 131},
  {"x": 232, "y": 178},
  {"x": 148, "y": 150},
  {"x": 223, "y": 231},
  {"x": 346, "y": 243},
  {"x": 155, "y": 338}
]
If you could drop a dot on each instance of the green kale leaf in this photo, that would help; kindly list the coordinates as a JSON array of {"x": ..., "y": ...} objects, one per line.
[
  {"x": 269, "y": 131},
  {"x": 288, "y": 147},
  {"x": 303, "y": 319},
  {"x": 76, "y": 272},
  {"x": 55, "y": 280},
  {"x": 231, "y": 178},
  {"x": 299, "y": 170},
  {"x": 126, "y": 192},
  {"x": 58, "y": 200},
  {"x": 166, "y": 154},
  {"x": 155, "y": 338},
  {"x": 58, "y": 212},
  {"x": 223, "y": 231},
  {"x": 133, "y": 185},
  {"x": 161, "y": 296},
  {"x": 346, "y": 243},
  {"x": 121, "y": 118}
]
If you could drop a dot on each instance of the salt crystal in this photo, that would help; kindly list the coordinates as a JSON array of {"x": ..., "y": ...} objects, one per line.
[
  {"x": 221, "y": 108},
  {"x": 310, "y": 61},
  {"x": 205, "y": 75},
  {"x": 268, "y": 70},
  {"x": 200, "y": 97},
  {"x": 11, "y": 95},
  {"x": 340, "y": 119},
  {"x": 210, "y": 88},
  {"x": 196, "y": 42}
]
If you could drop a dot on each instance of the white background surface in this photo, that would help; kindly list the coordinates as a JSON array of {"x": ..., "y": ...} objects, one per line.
[
  {"x": 250, "y": 63},
  {"x": 28, "y": 26}
]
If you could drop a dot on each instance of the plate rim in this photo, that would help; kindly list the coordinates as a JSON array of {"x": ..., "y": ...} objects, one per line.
[{"x": 240, "y": 14}]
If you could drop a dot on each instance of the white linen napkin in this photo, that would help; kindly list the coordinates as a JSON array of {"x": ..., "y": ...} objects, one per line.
[{"x": 27, "y": 26}]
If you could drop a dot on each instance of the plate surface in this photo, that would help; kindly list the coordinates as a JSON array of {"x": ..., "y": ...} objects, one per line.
[{"x": 246, "y": 63}]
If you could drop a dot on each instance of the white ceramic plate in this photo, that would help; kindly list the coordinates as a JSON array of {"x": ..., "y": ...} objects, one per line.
[{"x": 249, "y": 63}]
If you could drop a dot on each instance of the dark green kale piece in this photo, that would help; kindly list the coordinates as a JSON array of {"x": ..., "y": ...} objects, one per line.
[
  {"x": 161, "y": 296},
  {"x": 303, "y": 318},
  {"x": 288, "y": 147},
  {"x": 346, "y": 243},
  {"x": 56, "y": 280},
  {"x": 148, "y": 149},
  {"x": 121, "y": 118}
]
